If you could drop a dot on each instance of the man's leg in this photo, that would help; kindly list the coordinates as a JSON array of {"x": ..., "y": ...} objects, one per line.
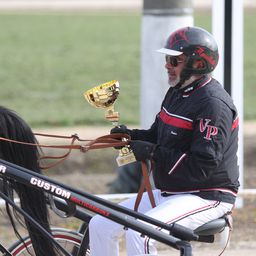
[
  {"x": 104, "y": 233},
  {"x": 187, "y": 210}
]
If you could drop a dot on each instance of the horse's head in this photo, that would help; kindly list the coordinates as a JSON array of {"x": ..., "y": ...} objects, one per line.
[{"x": 15, "y": 128}]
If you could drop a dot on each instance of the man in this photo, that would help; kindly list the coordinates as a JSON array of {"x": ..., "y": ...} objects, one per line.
[{"x": 192, "y": 145}]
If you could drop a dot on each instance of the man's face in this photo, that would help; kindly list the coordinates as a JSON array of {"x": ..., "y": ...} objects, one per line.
[{"x": 174, "y": 66}]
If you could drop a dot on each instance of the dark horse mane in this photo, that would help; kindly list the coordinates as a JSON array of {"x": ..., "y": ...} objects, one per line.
[{"x": 31, "y": 200}]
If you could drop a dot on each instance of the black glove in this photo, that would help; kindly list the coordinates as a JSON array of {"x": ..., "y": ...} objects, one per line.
[
  {"x": 142, "y": 149},
  {"x": 120, "y": 129}
]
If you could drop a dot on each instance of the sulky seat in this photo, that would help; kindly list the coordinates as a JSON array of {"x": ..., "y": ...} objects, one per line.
[{"x": 207, "y": 231}]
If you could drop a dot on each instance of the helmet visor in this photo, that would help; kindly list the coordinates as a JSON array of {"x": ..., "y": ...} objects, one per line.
[{"x": 169, "y": 52}]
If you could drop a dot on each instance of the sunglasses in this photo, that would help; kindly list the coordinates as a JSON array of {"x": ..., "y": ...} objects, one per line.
[{"x": 172, "y": 60}]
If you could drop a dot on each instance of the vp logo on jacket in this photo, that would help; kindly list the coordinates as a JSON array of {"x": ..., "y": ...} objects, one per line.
[{"x": 210, "y": 129}]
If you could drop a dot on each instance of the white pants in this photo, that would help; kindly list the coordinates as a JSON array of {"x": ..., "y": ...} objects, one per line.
[{"x": 186, "y": 209}]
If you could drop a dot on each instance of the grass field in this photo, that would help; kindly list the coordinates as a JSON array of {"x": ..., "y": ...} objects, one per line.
[{"x": 49, "y": 59}]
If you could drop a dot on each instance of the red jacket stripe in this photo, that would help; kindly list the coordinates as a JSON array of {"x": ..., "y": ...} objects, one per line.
[
  {"x": 175, "y": 121},
  {"x": 235, "y": 124}
]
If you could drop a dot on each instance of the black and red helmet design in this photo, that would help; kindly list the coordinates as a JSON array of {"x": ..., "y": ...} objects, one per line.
[{"x": 196, "y": 43}]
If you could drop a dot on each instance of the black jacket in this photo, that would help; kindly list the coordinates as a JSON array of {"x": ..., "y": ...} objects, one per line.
[{"x": 197, "y": 136}]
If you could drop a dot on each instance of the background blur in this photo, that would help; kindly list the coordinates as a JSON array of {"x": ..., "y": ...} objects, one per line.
[{"x": 53, "y": 51}]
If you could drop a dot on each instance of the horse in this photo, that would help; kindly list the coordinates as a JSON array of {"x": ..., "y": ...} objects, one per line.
[{"x": 32, "y": 201}]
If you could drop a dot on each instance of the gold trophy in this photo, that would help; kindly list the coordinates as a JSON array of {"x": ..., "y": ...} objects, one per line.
[{"x": 104, "y": 96}]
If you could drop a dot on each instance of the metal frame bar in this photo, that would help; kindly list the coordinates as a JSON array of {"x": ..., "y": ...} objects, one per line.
[{"x": 119, "y": 214}]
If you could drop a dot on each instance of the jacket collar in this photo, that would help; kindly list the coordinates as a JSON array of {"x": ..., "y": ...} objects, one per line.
[{"x": 197, "y": 84}]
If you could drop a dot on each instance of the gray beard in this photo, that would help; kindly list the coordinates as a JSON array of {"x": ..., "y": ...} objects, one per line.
[
  {"x": 187, "y": 82},
  {"x": 174, "y": 83}
]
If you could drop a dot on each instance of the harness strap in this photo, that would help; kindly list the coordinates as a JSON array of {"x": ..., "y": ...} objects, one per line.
[
  {"x": 144, "y": 185},
  {"x": 106, "y": 141},
  {"x": 61, "y": 157},
  {"x": 110, "y": 140}
]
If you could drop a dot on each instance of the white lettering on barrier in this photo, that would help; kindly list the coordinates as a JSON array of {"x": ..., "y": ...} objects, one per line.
[{"x": 49, "y": 187}]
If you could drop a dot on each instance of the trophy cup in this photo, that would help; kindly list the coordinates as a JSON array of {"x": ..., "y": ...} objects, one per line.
[{"x": 104, "y": 96}]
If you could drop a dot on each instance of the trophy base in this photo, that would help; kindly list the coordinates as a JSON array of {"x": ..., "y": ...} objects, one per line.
[{"x": 125, "y": 159}]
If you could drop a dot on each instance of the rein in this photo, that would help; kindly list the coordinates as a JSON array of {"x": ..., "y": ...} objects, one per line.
[
  {"x": 145, "y": 185},
  {"x": 106, "y": 141}
]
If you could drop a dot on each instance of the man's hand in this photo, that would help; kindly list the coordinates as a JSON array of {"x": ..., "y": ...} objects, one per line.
[
  {"x": 120, "y": 129},
  {"x": 142, "y": 149}
]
